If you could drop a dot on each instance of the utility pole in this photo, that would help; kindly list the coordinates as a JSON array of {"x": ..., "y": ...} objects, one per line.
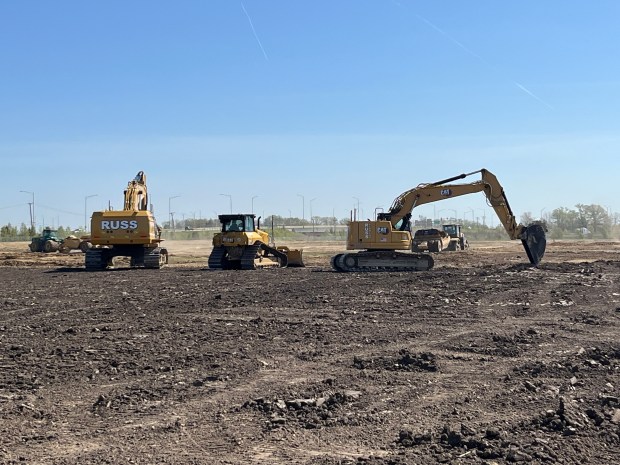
[
  {"x": 170, "y": 217},
  {"x": 33, "y": 220}
]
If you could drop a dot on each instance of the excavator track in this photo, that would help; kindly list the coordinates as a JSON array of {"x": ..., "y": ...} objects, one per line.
[
  {"x": 381, "y": 260},
  {"x": 95, "y": 260},
  {"x": 155, "y": 258}
]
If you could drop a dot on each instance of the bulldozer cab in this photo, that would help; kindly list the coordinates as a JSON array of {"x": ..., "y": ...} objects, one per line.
[
  {"x": 453, "y": 230},
  {"x": 237, "y": 223}
]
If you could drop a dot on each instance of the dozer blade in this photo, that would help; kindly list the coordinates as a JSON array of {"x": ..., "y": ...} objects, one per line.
[
  {"x": 294, "y": 256},
  {"x": 534, "y": 241}
]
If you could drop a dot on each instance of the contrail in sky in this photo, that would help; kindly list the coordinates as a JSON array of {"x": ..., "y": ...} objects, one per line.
[
  {"x": 474, "y": 54},
  {"x": 254, "y": 31}
]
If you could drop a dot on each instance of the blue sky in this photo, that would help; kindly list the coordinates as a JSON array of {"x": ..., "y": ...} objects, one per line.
[{"x": 290, "y": 101}]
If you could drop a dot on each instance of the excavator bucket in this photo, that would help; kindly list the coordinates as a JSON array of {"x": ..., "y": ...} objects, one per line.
[
  {"x": 294, "y": 256},
  {"x": 534, "y": 241}
]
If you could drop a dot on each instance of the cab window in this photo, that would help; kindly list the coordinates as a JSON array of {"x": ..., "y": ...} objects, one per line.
[{"x": 233, "y": 226}]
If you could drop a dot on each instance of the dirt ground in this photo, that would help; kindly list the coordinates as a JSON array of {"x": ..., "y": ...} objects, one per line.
[{"x": 483, "y": 359}]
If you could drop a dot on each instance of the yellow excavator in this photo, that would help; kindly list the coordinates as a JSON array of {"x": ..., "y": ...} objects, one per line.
[
  {"x": 242, "y": 245},
  {"x": 130, "y": 232},
  {"x": 382, "y": 241}
]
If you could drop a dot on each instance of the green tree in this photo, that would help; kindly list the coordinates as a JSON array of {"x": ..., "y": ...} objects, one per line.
[
  {"x": 24, "y": 232},
  {"x": 564, "y": 219},
  {"x": 8, "y": 231},
  {"x": 595, "y": 218}
]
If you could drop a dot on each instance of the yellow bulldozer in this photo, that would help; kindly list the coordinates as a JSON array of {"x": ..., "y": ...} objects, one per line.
[
  {"x": 242, "y": 245},
  {"x": 130, "y": 232},
  {"x": 386, "y": 244}
]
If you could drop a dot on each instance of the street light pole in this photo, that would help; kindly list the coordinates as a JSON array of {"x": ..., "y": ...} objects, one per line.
[
  {"x": 472, "y": 215},
  {"x": 311, "y": 221},
  {"x": 484, "y": 216},
  {"x": 85, "y": 215},
  {"x": 229, "y": 199},
  {"x": 303, "y": 209},
  {"x": 170, "y": 219},
  {"x": 33, "y": 220},
  {"x": 253, "y": 203}
]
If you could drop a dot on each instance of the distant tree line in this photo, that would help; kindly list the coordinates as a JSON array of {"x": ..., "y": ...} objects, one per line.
[
  {"x": 585, "y": 221},
  {"x": 589, "y": 221},
  {"x": 278, "y": 221},
  {"x": 8, "y": 232}
]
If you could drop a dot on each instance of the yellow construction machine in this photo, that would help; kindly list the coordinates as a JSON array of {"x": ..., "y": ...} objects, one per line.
[
  {"x": 450, "y": 238},
  {"x": 242, "y": 245},
  {"x": 382, "y": 241},
  {"x": 130, "y": 232},
  {"x": 73, "y": 242}
]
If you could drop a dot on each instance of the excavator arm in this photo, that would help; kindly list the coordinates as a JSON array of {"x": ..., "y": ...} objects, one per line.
[
  {"x": 532, "y": 236},
  {"x": 136, "y": 196}
]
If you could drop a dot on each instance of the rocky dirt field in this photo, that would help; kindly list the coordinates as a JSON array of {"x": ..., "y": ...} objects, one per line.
[{"x": 483, "y": 359}]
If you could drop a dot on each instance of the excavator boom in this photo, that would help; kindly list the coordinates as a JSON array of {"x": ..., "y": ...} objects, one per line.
[{"x": 136, "y": 196}]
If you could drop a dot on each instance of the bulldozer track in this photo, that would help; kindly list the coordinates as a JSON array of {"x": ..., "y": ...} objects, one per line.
[
  {"x": 248, "y": 258},
  {"x": 251, "y": 258},
  {"x": 216, "y": 258}
]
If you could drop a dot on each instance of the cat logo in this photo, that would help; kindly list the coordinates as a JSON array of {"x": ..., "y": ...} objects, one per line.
[{"x": 446, "y": 192}]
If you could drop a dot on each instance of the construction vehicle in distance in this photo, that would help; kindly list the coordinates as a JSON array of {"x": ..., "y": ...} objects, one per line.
[
  {"x": 432, "y": 240},
  {"x": 381, "y": 241},
  {"x": 130, "y": 232},
  {"x": 47, "y": 242},
  {"x": 242, "y": 245},
  {"x": 458, "y": 241},
  {"x": 449, "y": 238},
  {"x": 73, "y": 242}
]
